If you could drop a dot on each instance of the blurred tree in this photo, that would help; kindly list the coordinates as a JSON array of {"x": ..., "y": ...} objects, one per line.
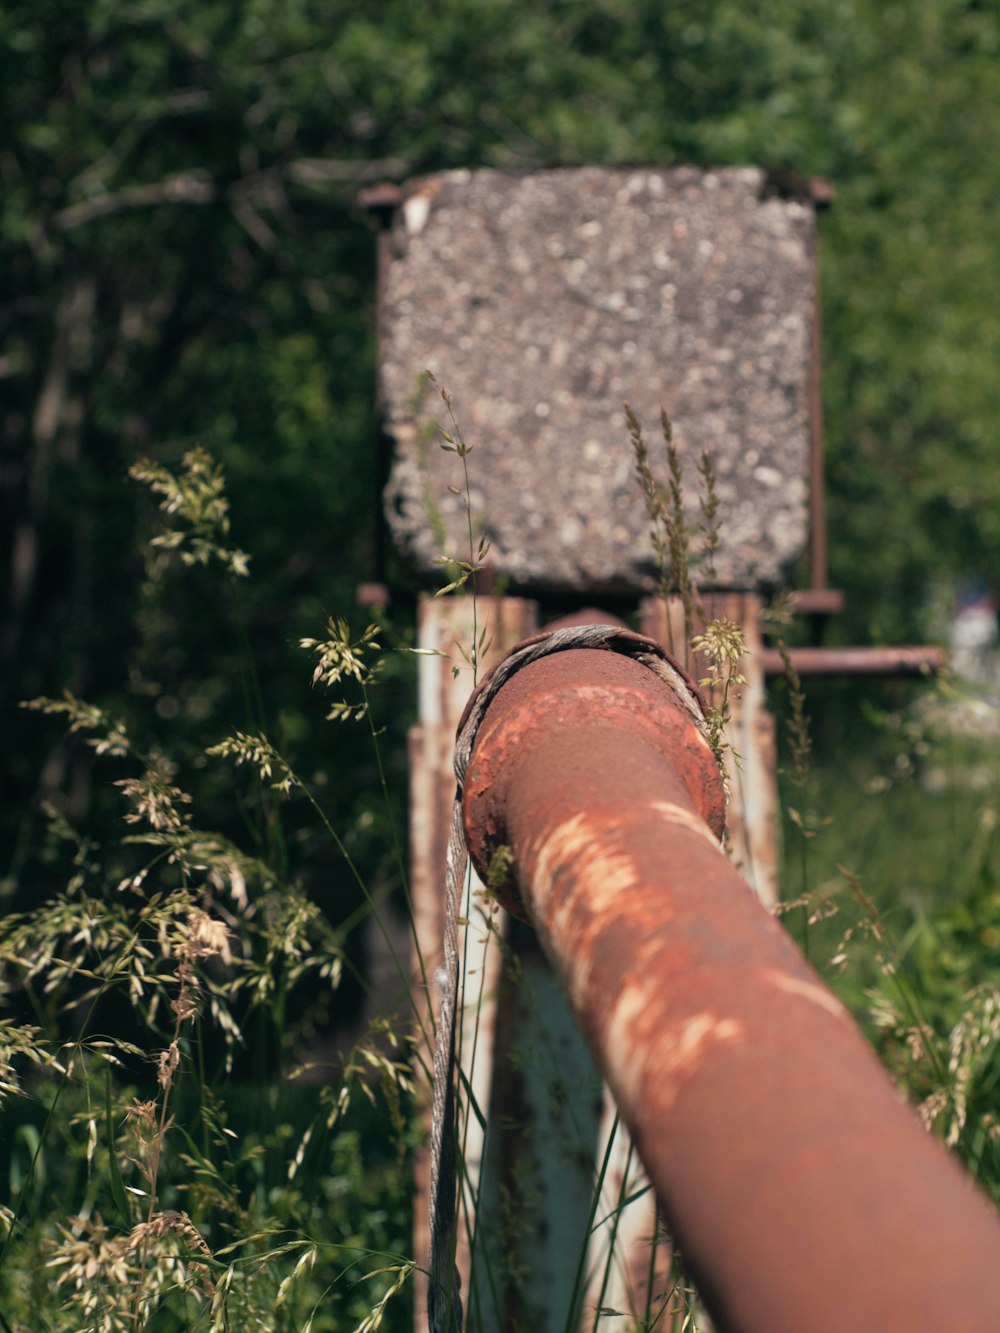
[{"x": 180, "y": 262}]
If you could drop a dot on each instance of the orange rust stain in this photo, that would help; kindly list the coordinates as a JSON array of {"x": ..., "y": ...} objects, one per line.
[
  {"x": 566, "y": 840},
  {"x": 603, "y": 870}
]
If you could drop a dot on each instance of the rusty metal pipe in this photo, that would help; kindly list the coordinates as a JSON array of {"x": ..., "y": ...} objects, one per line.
[{"x": 805, "y": 1196}]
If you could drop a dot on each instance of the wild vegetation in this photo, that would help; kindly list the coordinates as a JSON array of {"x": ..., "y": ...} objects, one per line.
[{"x": 192, "y": 864}]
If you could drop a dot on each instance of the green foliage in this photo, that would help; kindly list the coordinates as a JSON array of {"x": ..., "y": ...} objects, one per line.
[
  {"x": 892, "y": 858},
  {"x": 270, "y": 1219},
  {"x": 148, "y": 1187},
  {"x": 195, "y": 502}
]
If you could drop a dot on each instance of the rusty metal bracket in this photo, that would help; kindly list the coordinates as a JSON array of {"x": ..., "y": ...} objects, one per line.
[{"x": 911, "y": 660}]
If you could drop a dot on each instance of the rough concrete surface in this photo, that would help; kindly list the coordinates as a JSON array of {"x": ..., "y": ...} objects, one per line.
[{"x": 543, "y": 301}]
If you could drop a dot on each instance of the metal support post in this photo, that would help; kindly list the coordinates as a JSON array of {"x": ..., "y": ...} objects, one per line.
[{"x": 448, "y": 630}]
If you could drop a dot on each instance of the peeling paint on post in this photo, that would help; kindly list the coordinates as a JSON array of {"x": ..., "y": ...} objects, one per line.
[
  {"x": 804, "y": 1194},
  {"x": 446, "y": 627}
]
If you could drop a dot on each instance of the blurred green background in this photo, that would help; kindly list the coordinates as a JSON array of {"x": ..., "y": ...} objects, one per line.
[{"x": 182, "y": 259}]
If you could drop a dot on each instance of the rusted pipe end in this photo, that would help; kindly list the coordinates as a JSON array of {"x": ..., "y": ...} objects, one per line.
[
  {"x": 585, "y": 696},
  {"x": 802, "y": 1193}
]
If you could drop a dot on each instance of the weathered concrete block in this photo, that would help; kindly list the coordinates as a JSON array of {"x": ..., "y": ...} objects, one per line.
[{"x": 541, "y": 302}]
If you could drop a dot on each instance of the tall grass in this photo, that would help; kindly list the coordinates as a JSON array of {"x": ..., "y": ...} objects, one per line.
[
  {"x": 892, "y": 855},
  {"x": 145, "y": 1188},
  {"x": 148, "y": 1184}
]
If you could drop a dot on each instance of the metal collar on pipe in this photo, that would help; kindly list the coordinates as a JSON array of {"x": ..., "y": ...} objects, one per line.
[{"x": 634, "y": 671}]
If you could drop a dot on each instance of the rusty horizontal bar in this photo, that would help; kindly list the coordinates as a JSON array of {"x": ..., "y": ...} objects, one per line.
[
  {"x": 817, "y": 489},
  {"x": 921, "y": 660},
  {"x": 381, "y": 195},
  {"x": 818, "y": 601},
  {"x": 804, "y": 1195}
]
